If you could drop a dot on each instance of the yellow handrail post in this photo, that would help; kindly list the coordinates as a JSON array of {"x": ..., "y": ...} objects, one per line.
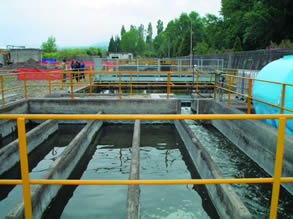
[
  {"x": 2, "y": 91},
  {"x": 283, "y": 98},
  {"x": 78, "y": 76},
  {"x": 229, "y": 92},
  {"x": 25, "y": 87},
  {"x": 24, "y": 167},
  {"x": 249, "y": 96},
  {"x": 71, "y": 84},
  {"x": 197, "y": 78},
  {"x": 62, "y": 83},
  {"x": 90, "y": 79},
  {"x": 49, "y": 81},
  {"x": 120, "y": 86},
  {"x": 130, "y": 83},
  {"x": 168, "y": 84},
  {"x": 215, "y": 87},
  {"x": 278, "y": 168}
]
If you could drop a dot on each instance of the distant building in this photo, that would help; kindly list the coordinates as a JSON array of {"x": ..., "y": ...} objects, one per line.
[
  {"x": 23, "y": 55},
  {"x": 120, "y": 56}
]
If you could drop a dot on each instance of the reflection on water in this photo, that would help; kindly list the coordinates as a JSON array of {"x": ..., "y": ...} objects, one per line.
[
  {"x": 235, "y": 164},
  {"x": 109, "y": 159},
  {"x": 161, "y": 158}
]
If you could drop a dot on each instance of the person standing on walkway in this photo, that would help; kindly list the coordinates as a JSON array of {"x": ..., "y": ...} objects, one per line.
[
  {"x": 77, "y": 76},
  {"x": 73, "y": 69},
  {"x": 82, "y": 70}
]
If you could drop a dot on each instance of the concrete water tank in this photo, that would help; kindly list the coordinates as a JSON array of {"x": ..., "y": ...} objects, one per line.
[{"x": 280, "y": 70}]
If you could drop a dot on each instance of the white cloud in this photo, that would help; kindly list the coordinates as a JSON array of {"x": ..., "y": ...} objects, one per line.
[{"x": 76, "y": 22}]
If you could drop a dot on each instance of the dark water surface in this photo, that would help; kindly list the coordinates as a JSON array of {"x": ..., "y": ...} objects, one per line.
[
  {"x": 110, "y": 158},
  {"x": 233, "y": 163},
  {"x": 162, "y": 157},
  {"x": 39, "y": 161}
]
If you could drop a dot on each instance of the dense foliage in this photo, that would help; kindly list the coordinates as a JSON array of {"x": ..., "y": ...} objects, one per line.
[
  {"x": 50, "y": 45},
  {"x": 243, "y": 25},
  {"x": 70, "y": 54}
]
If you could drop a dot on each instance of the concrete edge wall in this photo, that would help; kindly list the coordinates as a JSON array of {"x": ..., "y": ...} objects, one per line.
[
  {"x": 42, "y": 195},
  {"x": 9, "y": 154},
  {"x": 9, "y": 126},
  {"x": 108, "y": 106},
  {"x": 152, "y": 122},
  {"x": 132, "y": 208},
  {"x": 23, "y": 55},
  {"x": 254, "y": 137},
  {"x": 225, "y": 200}
]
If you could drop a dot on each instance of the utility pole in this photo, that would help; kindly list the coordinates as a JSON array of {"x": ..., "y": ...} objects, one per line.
[
  {"x": 191, "y": 43},
  {"x": 191, "y": 56}
]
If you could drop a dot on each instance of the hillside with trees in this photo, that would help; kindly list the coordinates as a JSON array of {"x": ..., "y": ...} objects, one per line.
[
  {"x": 242, "y": 25},
  {"x": 50, "y": 50}
]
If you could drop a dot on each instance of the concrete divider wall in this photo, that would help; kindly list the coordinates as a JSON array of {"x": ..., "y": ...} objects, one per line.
[
  {"x": 132, "y": 208},
  {"x": 9, "y": 126},
  {"x": 255, "y": 138},
  {"x": 42, "y": 195},
  {"x": 225, "y": 200},
  {"x": 108, "y": 106},
  {"x": 9, "y": 154}
]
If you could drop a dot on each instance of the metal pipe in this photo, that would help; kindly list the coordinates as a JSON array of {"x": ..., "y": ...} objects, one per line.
[
  {"x": 283, "y": 98},
  {"x": 249, "y": 96},
  {"x": 145, "y": 116},
  {"x": 278, "y": 168},
  {"x": 24, "y": 167}
]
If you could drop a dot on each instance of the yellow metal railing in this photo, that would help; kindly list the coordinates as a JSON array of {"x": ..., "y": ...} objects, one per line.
[
  {"x": 228, "y": 89},
  {"x": 88, "y": 82},
  {"x": 25, "y": 181},
  {"x": 120, "y": 84}
]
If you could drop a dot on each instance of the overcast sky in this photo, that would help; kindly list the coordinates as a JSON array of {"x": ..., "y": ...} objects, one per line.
[{"x": 87, "y": 22}]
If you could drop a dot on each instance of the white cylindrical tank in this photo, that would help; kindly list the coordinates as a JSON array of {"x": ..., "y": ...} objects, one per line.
[{"x": 280, "y": 70}]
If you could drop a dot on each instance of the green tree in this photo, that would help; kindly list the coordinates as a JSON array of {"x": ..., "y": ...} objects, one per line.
[
  {"x": 117, "y": 44},
  {"x": 70, "y": 54},
  {"x": 149, "y": 38},
  {"x": 123, "y": 31},
  {"x": 111, "y": 47},
  {"x": 129, "y": 41},
  {"x": 237, "y": 45},
  {"x": 160, "y": 45},
  {"x": 140, "y": 40},
  {"x": 50, "y": 45},
  {"x": 93, "y": 51},
  {"x": 214, "y": 32},
  {"x": 201, "y": 48},
  {"x": 160, "y": 27}
]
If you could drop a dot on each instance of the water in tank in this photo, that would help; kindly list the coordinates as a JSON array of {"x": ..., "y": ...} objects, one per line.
[{"x": 280, "y": 70}]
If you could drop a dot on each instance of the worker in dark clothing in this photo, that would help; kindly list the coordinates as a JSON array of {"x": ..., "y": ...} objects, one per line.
[
  {"x": 73, "y": 68},
  {"x": 82, "y": 70},
  {"x": 78, "y": 70}
]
